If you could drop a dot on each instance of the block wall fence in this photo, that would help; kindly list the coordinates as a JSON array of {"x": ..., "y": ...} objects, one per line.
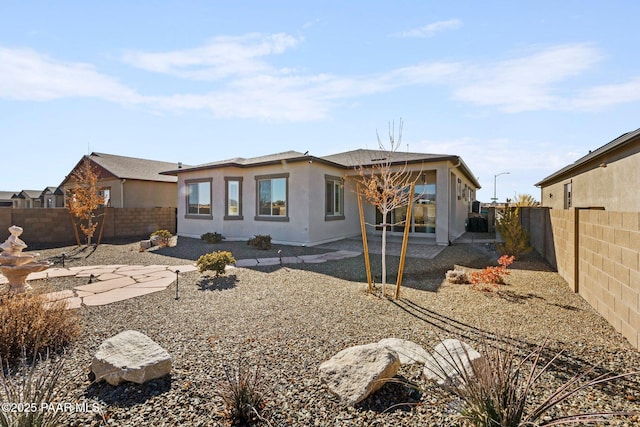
[
  {"x": 45, "y": 226},
  {"x": 598, "y": 253}
]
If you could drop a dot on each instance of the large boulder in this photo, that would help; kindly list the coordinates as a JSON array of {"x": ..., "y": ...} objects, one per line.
[
  {"x": 130, "y": 356},
  {"x": 356, "y": 372},
  {"x": 451, "y": 362},
  {"x": 408, "y": 351}
]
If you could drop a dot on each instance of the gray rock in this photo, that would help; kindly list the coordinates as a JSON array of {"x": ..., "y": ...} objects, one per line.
[
  {"x": 451, "y": 361},
  {"x": 408, "y": 351},
  {"x": 130, "y": 356},
  {"x": 356, "y": 372},
  {"x": 146, "y": 244}
]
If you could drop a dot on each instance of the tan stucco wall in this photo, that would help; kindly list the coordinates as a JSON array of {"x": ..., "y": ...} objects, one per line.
[
  {"x": 613, "y": 187},
  {"x": 139, "y": 194}
]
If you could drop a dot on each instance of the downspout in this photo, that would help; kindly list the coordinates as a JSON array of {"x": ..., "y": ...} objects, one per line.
[{"x": 122, "y": 181}]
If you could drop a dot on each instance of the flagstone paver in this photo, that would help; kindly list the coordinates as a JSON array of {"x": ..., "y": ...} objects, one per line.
[{"x": 120, "y": 282}]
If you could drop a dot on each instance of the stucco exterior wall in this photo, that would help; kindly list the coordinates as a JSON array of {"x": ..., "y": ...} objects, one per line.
[
  {"x": 612, "y": 186},
  {"x": 139, "y": 194}
]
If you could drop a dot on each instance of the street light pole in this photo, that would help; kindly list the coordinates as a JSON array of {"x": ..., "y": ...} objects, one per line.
[{"x": 495, "y": 199}]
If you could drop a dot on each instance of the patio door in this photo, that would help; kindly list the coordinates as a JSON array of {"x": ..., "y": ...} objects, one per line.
[{"x": 423, "y": 216}]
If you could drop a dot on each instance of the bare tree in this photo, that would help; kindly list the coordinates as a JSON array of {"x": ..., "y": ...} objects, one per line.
[
  {"x": 85, "y": 198},
  {"x": 385, "y": 184}
]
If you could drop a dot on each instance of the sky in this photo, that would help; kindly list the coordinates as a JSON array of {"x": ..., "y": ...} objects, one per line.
[{"x": 524, "y": 87}]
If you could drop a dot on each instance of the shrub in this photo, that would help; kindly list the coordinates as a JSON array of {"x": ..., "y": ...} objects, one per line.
[
  {"x": 163, "y": 237},
  {"x": 215, "y": 261},
  {"x": 241, "y": 392},
  {"x": 457, "y": 277},
  {"x": 33, "y": 387},
  {"x": 212, "y": 237},
  {"x": 261, "y": 241},
  {"x": 30, "y": 324},
  {"x": 498, "y": 391},
  {"x": 489, "y": 278},
  {"x": 516, "y": 239}
]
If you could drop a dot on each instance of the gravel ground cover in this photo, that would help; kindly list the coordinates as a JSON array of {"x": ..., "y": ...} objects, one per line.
[{"x": 288, "y": 319}]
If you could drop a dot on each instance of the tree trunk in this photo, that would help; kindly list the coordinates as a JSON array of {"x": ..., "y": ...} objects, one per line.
[{"x": 384, "y": 257}]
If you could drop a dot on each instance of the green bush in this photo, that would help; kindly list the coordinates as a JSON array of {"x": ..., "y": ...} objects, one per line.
[
  {"x": 261, "y": 241},
  {"x": 516, "y": 239},
  {"x": 212, "y": 237},
  {"x": 215, "y": 261}
]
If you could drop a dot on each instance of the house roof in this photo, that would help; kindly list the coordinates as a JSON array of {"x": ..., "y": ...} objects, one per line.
[
  {"x": 592, "y": 156},
  {"x": 122, "y": 167},
  {"x": 346, "y": 160},
  {"x": 5, "y": 195},
  {"x": 52, "y": 190},
  {"x": 28, "y": 194}
]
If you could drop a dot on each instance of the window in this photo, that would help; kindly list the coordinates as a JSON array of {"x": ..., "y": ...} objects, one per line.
[
  {"x": 199, "y": 198},
  {"x": 105, "y": 193},
  {"x": 272, "y": 196},
  {"x": 334, "y": 198},
  {"x": 567, "y": 195},
  {"x": 233, "y": 199}
]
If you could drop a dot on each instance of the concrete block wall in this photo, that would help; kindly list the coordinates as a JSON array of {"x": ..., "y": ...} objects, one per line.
[
  {"x": 605, "y": 254},
  {"x": 609, "y": 268},
  {"x": 563, "y": 228},
  {"x": 55, "y": 226}
]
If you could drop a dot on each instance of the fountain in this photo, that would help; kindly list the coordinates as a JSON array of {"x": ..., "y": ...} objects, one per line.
[{"x": 15, "y": 265}]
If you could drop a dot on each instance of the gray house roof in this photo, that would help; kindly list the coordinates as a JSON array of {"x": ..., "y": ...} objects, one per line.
[
  {"x": 346, "y": 160},
  {"x": 6, "y": 195},
  {"x": 122, "y": 167},
  {"x": 28, "y": 194},
  {"x": 593, "y": 156}
]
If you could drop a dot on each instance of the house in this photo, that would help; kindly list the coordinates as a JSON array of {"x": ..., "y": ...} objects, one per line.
[
  {"x": 6, "y": 198},
  {"x": 52, "y": 197},
  {"x": 301, "y": 199},
  {"x": 27, "y": 199},
  {"x": 128, "y": 182},
  {"x": 605, "y": 178},
  {"x": 589, "y": 229}
]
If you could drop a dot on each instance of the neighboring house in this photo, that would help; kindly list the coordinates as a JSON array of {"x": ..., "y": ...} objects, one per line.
[
  {"x": 27, "y": 199},
  {"x": 305, "y": 200},
  {"x": 128, "y": 182},
  {"x": 52, "y": 197},
  {"x": 605, "y": 178},
  {"x": 6, "y": 198}
]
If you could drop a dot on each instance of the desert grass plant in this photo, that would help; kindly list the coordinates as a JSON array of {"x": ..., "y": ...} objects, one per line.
[
  {"x": 215, "y": 262},
  {"x": 458, "y": 277},
  {"x": 498, "y": 392},
  {"x": 242, "y": 392},
  {"x": 29, "y": 393},
  {"x": 31, "y": 324}
]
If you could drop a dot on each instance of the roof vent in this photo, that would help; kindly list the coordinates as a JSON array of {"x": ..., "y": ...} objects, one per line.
[
  {"x": 379, "y": 160},
  {"x": 179, "y": 165}
]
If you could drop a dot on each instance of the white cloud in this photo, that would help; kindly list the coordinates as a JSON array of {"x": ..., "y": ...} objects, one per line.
[
  {"x": 430, "y": 30},
  {"x": 527, "y": 83},
  {"x": 602, "y": 97},
  {"x": 221, "y": 57},
  {"x": 28, "y": 75}
]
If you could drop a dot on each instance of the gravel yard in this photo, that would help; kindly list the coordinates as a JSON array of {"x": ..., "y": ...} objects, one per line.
[{"x": 288, "y": 319}]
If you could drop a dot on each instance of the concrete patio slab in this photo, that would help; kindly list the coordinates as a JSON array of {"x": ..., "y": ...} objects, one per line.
[
  {"x": 37, "y": 276},
  {"x": 116, "y": 295},
  {"x": 73, "y": 303},
  {"x": 156, "y": 283},
  {"x": 83, "y": 294},
  {"x": 60, "y": 272},
  {"x": 183, "y": 268},
  {"x": 55, "y": 296},
  {"x": 109, "y": 276},
  {"x": 95, "y": 272},
  {"x": 107, "y": 285}
]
